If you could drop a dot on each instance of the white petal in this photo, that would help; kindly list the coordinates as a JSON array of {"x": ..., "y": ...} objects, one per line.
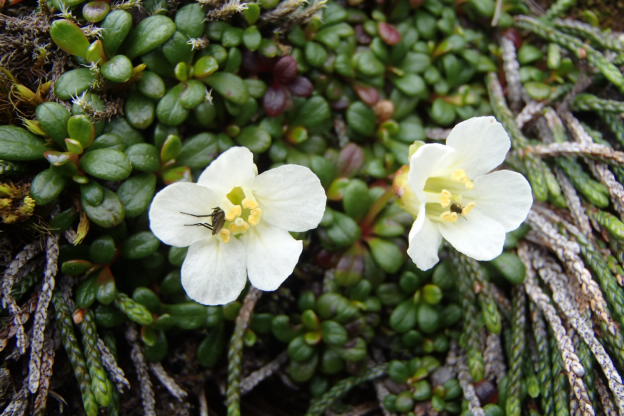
[
  {"x": 481, "y": 144},
  {"x": 213, "y": 272},
  {"x": 477, "y": 236},
  {"x": 291, "y": 197},
  {"x": 504, "y": 196},
  {"x": 429, "y": 160},
  {"x": 272, "y": 255},
  {"x": 166, "y": 217},
  {"x": 234, "y": 167},
  {"x": 424, "y": 241}
]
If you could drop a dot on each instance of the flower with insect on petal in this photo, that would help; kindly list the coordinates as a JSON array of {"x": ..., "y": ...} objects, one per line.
[
  {"x": 236, "y": 224},
  {"x": 454, "y": 195}
]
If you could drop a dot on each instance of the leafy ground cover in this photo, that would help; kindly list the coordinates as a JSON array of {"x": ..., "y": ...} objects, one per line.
[{"x": 103, "y": 104}]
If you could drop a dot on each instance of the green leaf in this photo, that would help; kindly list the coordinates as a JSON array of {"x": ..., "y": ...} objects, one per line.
[
  {"x": 73, "y": 83},
  {"x": 140, "y": 245},
  {"x": 47, "y": 186},
  {"x": 301, "y": 372},
  {"x": 212, "y": 347},
  {"x": 369, "y": 65},
  {"x": 151, "y": 85},
  {"x": 252, "y": 38},
  {"x": 107, "y": 164},
  {"x": 81, "y": 129},
  {"x": 343, "y": 232},
  {"x": 334, "y": 334},
  {"x": 136, "y": 193},
  {"x": 69, "y": 37},
  {"x": 188, "y": 315},
  {"x": 190, "y": 20},
  {"x": 178, "y": 49},
  {"x": 169, "y": 109},
  {"x": 387, "y": 254},
  {"x": 411, "y": 85},
  {"x": 85, "y": 294},
  {"x": 255, "y": 139},
  {"x": 92, "y": 192},
  {"x": 53, "y": 118},
  {"x": 194, "y": 94},
  {"x": 95, "y": 11},
  {"x": 171, "y": 148},
  {"x": 404, "y": 316},
  {"x": 356, "y": 199},
  {"x": 145, "y": 296},
  {"x": 95, "y": 53},
  {"x": 17, "y": 143},
  {"x": 299, "y": 350},
  {"x": 198, "y": 151},
  {"x": 442, "y": 113},
  {"x": 117, "y": 69},
  {"x": 149, "y": 34},
  {"x": 511, "y": 267},
  {"x": 139, "y": 110},
  {"x": 205, "y": 66},
  {"x": 103, "y": 250},
  {"x": 144, "y": 157},
  {"x": 107, "y": 214},
  {"x": 125, "y": 131},
  {"x": 115, "y": 28},
  {"x": 361, "y": 118},
  {"x": 230, "y": 86},
  {"x": 415, "y": 62},
  {"x": 315, "y": 54},
  {"x": 529, "y": 53},
  {"x": 428, "y": 318},
  {"x": 313, "y": 113}
]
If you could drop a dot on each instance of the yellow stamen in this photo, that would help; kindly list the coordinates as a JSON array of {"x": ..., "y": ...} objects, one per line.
[
  {"x": 233, "y": 213},
  {"x": 448, "y": 216},
  {"x": 461, "y": 176},
  {"x": 250, "y": 203},
  {"x": 468, "y": 208},
  {"x": 446, "y": 198},
  {"x": 254, "y": 216},
  {"x": 239, "y": 225},
  {"x": 225, "y": 235}
]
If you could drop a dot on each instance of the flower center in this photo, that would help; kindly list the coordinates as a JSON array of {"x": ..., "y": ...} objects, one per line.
[
  {"x": 446, "y": 201},
  {"x": 243, "y": 214}
]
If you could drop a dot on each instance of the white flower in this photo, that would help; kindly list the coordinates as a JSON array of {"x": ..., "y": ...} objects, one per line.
[
  {"x": 454, "y": 195},
  {"x": 248, "y": 233}
]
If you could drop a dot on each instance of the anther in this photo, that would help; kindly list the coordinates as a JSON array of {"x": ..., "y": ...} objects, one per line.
[
  {"x": 468, "y": 208},
  {"x": 234, "y": 212},
  {"x": 449, "y": 216},
  {"x": 445, "y": 198},
  {"x": 254, "y": 216},
  {"x": 225, "y": 235},
  {"x": 249, "y": 203},
  {"x": 239, "y": 225}
]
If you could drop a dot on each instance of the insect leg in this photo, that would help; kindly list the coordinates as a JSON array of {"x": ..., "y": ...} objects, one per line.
[
  {"x": 197, "y": 216},
  {"x": 201, "y": 224}
]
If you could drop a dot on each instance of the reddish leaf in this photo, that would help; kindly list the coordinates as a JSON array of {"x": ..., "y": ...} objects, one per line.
[
  {"x": 389, "y": 33},
  {"x": 276, "y": 100},
  {"x": 362, "y": 37},
  {"x": 255, "y": 63},
  {"x": 341, "y": 104},
  {"x": 301, "y": 86},
  {"x": 285, "y": 70},
  {"x": 370, "y": 95},
  {"x": 350, "y": 160}
]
